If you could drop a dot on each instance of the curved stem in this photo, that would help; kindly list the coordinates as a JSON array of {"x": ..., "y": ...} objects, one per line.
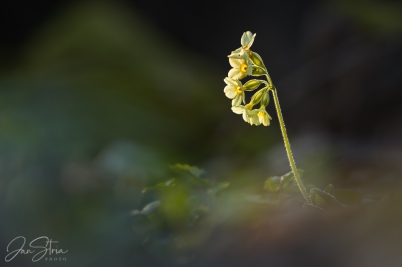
[
  {"x": 286, "y": 141},
  {"x": 287, "y": 146}
]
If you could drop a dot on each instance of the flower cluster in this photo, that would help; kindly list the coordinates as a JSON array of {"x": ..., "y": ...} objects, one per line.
[{"x": 245, "y": 63}]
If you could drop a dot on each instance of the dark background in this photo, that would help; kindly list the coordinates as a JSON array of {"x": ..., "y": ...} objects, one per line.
[
  {"x": 97, "y": 98},
  {"x": 308, "y": 43}
]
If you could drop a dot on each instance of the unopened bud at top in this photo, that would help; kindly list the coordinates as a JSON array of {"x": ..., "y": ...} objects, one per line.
[{"x": 247, "y": 40}]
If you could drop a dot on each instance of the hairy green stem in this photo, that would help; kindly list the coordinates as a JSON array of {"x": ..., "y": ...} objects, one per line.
[{"x": 287, "y": 143}]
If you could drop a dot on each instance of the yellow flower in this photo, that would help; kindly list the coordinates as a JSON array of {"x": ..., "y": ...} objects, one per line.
[
  {"x": 249, "y": 115},
  {"x": 263, "y": 116},
  {"x": 241, "y": 66},
  {"x": 234, "y": 90}
]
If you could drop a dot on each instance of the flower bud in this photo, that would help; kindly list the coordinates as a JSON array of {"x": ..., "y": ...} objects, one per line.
[
  {"x": 252, "y": 84},
  {"x": 257, "y": 60},
  {"x": 247, "y": 40},
  {"x": 258, "y": 71},
  {"x": 265, "y": 99},
  {"x": 257, "y": 97}
]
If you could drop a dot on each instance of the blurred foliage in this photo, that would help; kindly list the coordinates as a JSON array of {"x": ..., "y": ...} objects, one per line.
[
  {"x": 96, "y": 105},
  {"x": 184, "y": 217},
  {"x": 175, "y": 223},
  {"x": 97, "y": 74}
]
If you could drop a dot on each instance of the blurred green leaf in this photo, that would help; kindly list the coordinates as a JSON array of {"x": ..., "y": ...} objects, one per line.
[
  {"x": 273, "y": 184},
  {"x": 161, "y": 186},
  {"x": 148, "y": 209},
  {"x": 288, "y": 178},
  {"x": 191, "y": 173},
  {"x": 175, "y": 206},
  {"x": 218, "y": 187},
  {"x": 316, "y": 198},
  {"x": 151, "y": 207},
  {"x": 323, "y": 199},
  {"x": 199, "y": 213},
  {"x": 188, "y": 169}
]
